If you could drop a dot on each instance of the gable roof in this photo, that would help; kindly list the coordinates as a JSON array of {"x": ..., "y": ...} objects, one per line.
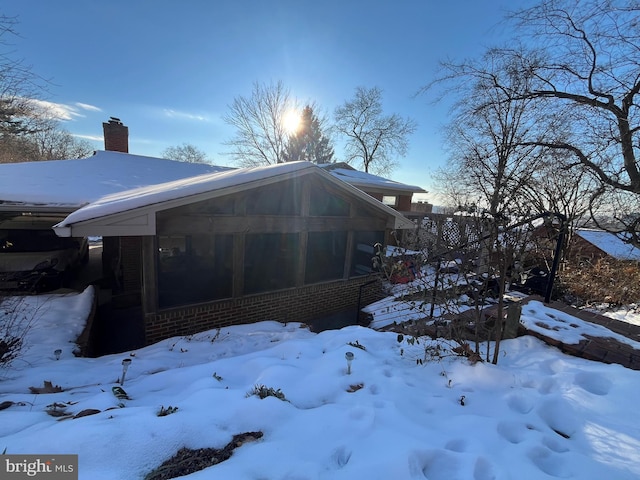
[
  {"x": 610, "y": 244},
  {"x": 134, "y": 210},
  {"x": 66, "y": 185}
]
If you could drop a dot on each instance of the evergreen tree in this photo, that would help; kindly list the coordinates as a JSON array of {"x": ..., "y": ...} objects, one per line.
[{"x": 308, "y": 143}]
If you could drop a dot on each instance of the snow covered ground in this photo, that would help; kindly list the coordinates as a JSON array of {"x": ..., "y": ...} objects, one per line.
[{"x": 538, "y": 414}]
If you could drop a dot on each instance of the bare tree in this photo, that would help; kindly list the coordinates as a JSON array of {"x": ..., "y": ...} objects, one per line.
[
  {"x": 261, "y": 134},
  {"x": 27, "y": 132},
  {"x": 372, "y": 138},
  {"x": 494, "y": 157},
  {"x": 494, "y": 163},
  {"x": 18, "y": 84},
  {"x": 582, "y": 57},
  {"x": 47, "y": 141},
  {"x": 186, "y": 153},
  {"x": 53, "y": 142}
]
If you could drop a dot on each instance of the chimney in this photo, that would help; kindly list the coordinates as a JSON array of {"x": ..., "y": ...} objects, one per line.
[{"x": 116, "y": 136}]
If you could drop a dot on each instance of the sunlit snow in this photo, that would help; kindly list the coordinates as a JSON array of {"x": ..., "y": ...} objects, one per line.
[{"x": 537, "y": 414}]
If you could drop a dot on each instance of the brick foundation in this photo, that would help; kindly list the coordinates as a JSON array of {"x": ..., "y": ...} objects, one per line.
[{"x": 295, "y": 305}]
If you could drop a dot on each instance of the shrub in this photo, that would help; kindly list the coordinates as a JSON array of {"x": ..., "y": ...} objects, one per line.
[
  {"x": 357, "y": 344},
  {"x": 163, "y": 412},
  {"x": 15, "y": 322},
  {"x": 263, "y": 392}
]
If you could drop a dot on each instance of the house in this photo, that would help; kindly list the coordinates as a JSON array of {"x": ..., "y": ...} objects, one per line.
[
  {"x": 191, "y": 247},
  {"x": 592, "y": 244},
  {"x": 393, "y": 194},
  {"x": 286, "y": 242}
]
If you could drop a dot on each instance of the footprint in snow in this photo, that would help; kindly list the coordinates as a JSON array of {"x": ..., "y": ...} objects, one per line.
[
  {"x": 341, "y": 456},
  {"x": 519, "y": 403},
  {"x": 593, "y": 383},
  {"x": 456, "y": 445},
  {"x": 559, "y": 417},
  {"x": 513, "y": 432},
  {"x": 549, "y": 462},
  {"x": 434, "y": 465},
  {"x": 483, "y": 470}
]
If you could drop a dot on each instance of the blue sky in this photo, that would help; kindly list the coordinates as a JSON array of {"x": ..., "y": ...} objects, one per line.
[{"x": 169, "y": 69}]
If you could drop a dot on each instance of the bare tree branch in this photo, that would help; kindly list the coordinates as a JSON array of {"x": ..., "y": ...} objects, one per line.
[
  {"x": 261, "y": 135},
  {"x": 372, "y": 137}
]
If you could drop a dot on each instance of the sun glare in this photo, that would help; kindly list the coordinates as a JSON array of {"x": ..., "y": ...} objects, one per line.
[{"x": 291, "y": 121}]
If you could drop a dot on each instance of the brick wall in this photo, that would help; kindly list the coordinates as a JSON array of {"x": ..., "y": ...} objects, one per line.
[
  {"x": 116, "y": 136},
  {"x": 422, "y": 207},
  {"x": 404, "y": 203},
  {"x": 296, "y": 305}
]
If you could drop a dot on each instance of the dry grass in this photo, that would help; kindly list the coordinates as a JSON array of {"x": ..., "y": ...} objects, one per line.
[{"x": 602, "y": 281}]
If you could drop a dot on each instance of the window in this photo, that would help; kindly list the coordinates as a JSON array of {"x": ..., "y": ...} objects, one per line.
[
  {"x": 390, "y": 200},
  {"x": 364, "y": 250},
  {"x": 280, "y": 199},
  {"x": 326, "y": 204},
  {"x": 194, "y": 269},
  {"x": 326, "y": 252},
  {"x": 214, "y": 206},
  {"x": 270, "y": 261}
]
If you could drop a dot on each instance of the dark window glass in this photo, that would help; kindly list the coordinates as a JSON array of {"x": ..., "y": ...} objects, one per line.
[
  {"x": 14, "y": 241},
  {"x": 214, "y": 206},
  {"x": 326, "y": 252},
  {"x": 364, "y": 250},
  {"x": 270, "y": 261},
  {"x": 325, "y": 204},
  {"x": 194, "y": 269},
  {"x": 279, "y": 199}
]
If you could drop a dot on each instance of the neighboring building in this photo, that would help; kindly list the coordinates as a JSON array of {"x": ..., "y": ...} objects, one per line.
[
  {"x": 594, "y": 244},
  {"x": 393, "y": 194},
  {"x": 421, "y": 208}
]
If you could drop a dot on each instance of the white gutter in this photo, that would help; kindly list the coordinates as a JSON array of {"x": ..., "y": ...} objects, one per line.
[{"x": 62, "y": 231}]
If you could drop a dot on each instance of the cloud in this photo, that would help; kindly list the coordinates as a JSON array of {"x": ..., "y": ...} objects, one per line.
[
  {"x": 55, "y": 111},
  {"x": 61, "y": 111},
  {"x": 86, "y": 106},
  {"x": 94, "y": 138},
  {"x": 168, "y": 112}
]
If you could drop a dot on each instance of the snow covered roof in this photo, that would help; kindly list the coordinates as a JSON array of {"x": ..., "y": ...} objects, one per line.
[
  {"x": 368, "y": 181},
  {"x": 66, "y": 185},
  {"x": 69, "y": 184},
  {"x": 135, "y": 209},
  {"x": 610, "y": 244}
]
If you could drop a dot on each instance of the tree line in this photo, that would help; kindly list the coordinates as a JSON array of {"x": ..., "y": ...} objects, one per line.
[{"x": 373, "y": 140}]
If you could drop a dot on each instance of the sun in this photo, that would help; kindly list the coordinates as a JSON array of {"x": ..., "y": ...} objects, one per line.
[{"x": 291, "y": 121}]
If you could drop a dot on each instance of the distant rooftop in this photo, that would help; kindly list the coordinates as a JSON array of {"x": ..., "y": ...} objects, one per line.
[
  {"x": 369, "y": 181},
  {"x": 610, "y": 244}
]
